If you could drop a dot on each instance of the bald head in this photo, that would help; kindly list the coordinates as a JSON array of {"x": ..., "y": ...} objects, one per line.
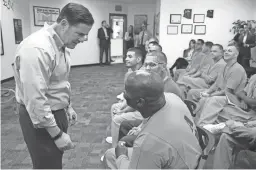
[
  {"x": 231, "y": 53},
  {"x": 143, "y": 84},
  {"x": 159, "y": 57},
  {"x": 153, "y": 39}
]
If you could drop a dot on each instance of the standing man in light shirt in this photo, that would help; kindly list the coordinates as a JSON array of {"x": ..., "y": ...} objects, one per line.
[
  {"x": 41, "y": 70},
  {"x": 144, "y": 37}
]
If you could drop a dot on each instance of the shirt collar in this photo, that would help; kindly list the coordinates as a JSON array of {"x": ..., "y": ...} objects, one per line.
[{"x": 59, "y": 43}]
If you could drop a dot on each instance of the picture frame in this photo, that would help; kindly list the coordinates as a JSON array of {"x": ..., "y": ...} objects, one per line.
[
  {"x": 199, "y": 18},
  {"x": 186, "y": 28},
  {"x": 2, "y": 43},
  {"x": 17, "y": 23},
  {"x": 45, "y": 14},
  {"x": 172, "y": 29},
  {"x": 175, "y": 18},
  {"x": 156, "y": 24},
  {"x": 138, "y": 21},
  {"x": 200, "y": 30}
]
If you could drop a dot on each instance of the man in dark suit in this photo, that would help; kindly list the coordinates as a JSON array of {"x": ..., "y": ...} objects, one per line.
[
  {"x": 104, "y": 37},
  {"x": 245, "y": 42}
]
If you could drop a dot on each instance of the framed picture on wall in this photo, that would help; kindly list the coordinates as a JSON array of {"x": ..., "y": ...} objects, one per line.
[
  {"x": 138, "y": 21},
  {"x": 17, "y": 30},
  {"x": 199, "y": 18},
  {"x": 2, "y": 43},
  {"x": 175, "y": 18},
  {"x": 45, "y": 14},
  {"x": 200, "y": 29},
  {"x": 156, "y": 24},
  {"x": 186, "y": 29},
  {"x": 172, "y": 29}
]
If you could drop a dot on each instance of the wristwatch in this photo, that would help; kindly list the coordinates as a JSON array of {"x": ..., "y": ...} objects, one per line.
[{"x": 58, "y": 136}]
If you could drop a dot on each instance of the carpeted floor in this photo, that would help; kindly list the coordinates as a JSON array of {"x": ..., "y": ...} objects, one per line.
[{"x": 94, "y": 90}]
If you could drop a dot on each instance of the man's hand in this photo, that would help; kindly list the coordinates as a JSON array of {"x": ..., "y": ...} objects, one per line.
[
  {"x": 204, "y": 94},
  {"x": 118, "y": 111},
  {"x": 134, "y": 131},
  {"x": 72, "y": 116},
  {"x": 243, "y": 105},
  {"x": 64, "y": 142},
  {"x": 121, "y": 149},
  {"x": 231, "y": 124}
]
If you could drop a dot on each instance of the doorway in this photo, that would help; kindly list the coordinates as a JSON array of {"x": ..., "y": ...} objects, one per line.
[{"x": 118, "y": 23}]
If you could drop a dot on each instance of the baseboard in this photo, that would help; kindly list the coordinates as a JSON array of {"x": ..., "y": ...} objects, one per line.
[
  {"x": 8, "y": 79},
  {"x": 82, "y": 65},
  {"x": 86, "y": 65}
]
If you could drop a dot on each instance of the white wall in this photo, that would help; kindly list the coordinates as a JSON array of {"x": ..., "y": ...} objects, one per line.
[
  {"x": 20, "y": 11},
  {"x": 85, "y": 53},
  {"x": 225, "y": 12}
]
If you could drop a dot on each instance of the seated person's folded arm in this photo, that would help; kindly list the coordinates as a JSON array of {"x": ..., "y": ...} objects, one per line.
[
  {"x": 128, "y": 109},
  {"x": 144, "y": 157}
]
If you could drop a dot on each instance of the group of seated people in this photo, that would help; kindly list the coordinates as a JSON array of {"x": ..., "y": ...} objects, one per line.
[{"x": 152, "y": 127}]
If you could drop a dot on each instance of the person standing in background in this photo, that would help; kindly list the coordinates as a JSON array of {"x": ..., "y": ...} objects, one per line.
[
  {"x": 104, "y": 37},
  {"x": 144, "y": 36},
  {"x": 41, "y": 71},
  {"x": 129, "y": 40},
  {"x": 245, "y": 42}
]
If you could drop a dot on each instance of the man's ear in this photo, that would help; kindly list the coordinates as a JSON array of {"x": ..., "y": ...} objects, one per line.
[
  {"x": 64, "y": 23},
  {"x": 139, "y": 59},
  {"x": 140, "y": 103}
]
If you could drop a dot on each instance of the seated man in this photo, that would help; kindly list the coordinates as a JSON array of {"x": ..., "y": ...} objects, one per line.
[
  {"x": 134, "y": 61},
  {"x": 206, "y": 79},
  {"x": 154, "y": 62},
  {"x": 191, "y": 81},
  {"x": 246, "y": 110},
  {"x": 168, "y": 140},
  {"x": 154, "y": 46},
  {"x": 197, "y": 57},
  {"x": 224, "y": 90},
  {"x": 238, "y": 137},
  {"x": 152, "y": 39}
]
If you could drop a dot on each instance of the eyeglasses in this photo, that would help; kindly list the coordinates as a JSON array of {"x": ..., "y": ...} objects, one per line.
[{"x": 152, "y": 64}]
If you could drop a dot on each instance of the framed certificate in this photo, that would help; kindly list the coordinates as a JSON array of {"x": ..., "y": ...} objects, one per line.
[
  {"x": 45, "y": 14},
  {"x": 199, "y": 18},
  {"x": 200, "y": 29},
  {"x": 186, "y": 29},
  {"x": 175, "y": 18}
]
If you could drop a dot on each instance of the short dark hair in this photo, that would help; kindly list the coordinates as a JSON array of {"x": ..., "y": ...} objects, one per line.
[
  {"x": 219, "y": 46},
  {"x": 181, "y": 63},
  {"x": 103, "y": 21},
  {"x": 209, "y": 44},
  {"x": 202, "y": 41},
  {"x": 153, "y": 43},
  {"x": 138, "y": 53},
  {"x": 75, "y": 14}
]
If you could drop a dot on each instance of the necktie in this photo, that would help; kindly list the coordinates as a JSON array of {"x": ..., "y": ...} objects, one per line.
[{"x": 142, "y": 38}]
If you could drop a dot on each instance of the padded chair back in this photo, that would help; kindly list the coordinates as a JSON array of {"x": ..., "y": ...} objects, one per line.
[
  {"x": 191, "y": 106},
  {"x": 207, "y": 142}
]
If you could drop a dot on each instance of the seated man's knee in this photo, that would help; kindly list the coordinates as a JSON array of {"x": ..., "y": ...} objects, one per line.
[{"x": 118, "y": 119}]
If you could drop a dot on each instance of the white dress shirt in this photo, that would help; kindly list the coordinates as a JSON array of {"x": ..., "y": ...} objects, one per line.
[{"x": 41, "y": 71}]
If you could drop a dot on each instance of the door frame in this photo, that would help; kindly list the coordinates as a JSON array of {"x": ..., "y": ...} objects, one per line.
[{"x": 124, "y": 28}]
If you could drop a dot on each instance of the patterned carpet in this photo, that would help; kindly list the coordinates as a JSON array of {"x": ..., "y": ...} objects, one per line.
[{"x": 94, "y": 90}]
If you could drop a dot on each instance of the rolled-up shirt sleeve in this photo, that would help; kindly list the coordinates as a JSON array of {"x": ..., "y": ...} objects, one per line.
[{"x": 35, "y": 71}]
